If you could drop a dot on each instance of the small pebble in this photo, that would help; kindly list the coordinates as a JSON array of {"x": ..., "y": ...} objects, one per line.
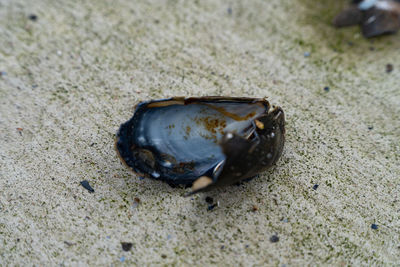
[
  {"x": 307, "y": 54},
  {"x": 315, "y": 187},
  {"x": 274, "y": 239},
  {"x": 389, "y": 68},
  {"x": 68, "y": 243},
  {"x": 87, "y": 186},
  {"x": 374, "y": 226},
  {"x": 326, "y": 88},
  {"x": 209, "y": 200},
  {"x": 126, "y": 246},
  {"x": 211, "y": 207},
  {"x": 33, "y": 17},
  {"x": 20, "y": 131}
]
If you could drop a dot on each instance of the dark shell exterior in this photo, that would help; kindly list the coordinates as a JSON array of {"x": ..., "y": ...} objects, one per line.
[
  {"x": 375, "y": 17},
  {"x": 204, "y": 142}
]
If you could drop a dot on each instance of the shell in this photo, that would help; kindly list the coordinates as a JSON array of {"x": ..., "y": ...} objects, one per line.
[
  {"x": 376, "y": 17},
  {"x": 204, "y": 142}
]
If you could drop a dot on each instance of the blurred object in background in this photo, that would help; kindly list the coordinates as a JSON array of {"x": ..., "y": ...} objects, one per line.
[{"x": 376, "y": 17}]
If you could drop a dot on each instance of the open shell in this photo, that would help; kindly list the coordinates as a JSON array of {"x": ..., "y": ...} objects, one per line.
[{"x": 203, "y": 142}]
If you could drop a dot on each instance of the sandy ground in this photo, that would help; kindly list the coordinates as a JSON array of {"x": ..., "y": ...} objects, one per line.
[{"x": 73, "y": 75}]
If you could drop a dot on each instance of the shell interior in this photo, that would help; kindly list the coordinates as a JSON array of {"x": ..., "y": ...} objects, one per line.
[{"x": 181, "y": 142}]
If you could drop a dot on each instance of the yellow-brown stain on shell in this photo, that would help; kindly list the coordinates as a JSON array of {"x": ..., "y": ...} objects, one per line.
[
  {"x": 212, "y": 125},
  {"x": 230, "y": 114},
  {"x": 182, "y": 167},
  {"x": 188, "y": 129},
  {"x": 217, "y": 125}
]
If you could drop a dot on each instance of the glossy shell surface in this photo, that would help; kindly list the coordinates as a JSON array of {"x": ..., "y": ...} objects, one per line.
[{"x": 204, "y": 142}]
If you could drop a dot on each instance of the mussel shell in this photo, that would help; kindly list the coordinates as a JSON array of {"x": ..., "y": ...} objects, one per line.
[
  {"x": 376, "y": 18},
  {"x": 180, "y": 140}
]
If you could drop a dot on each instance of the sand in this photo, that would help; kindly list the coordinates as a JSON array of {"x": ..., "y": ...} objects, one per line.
[{"x": 72, "y": 76}]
